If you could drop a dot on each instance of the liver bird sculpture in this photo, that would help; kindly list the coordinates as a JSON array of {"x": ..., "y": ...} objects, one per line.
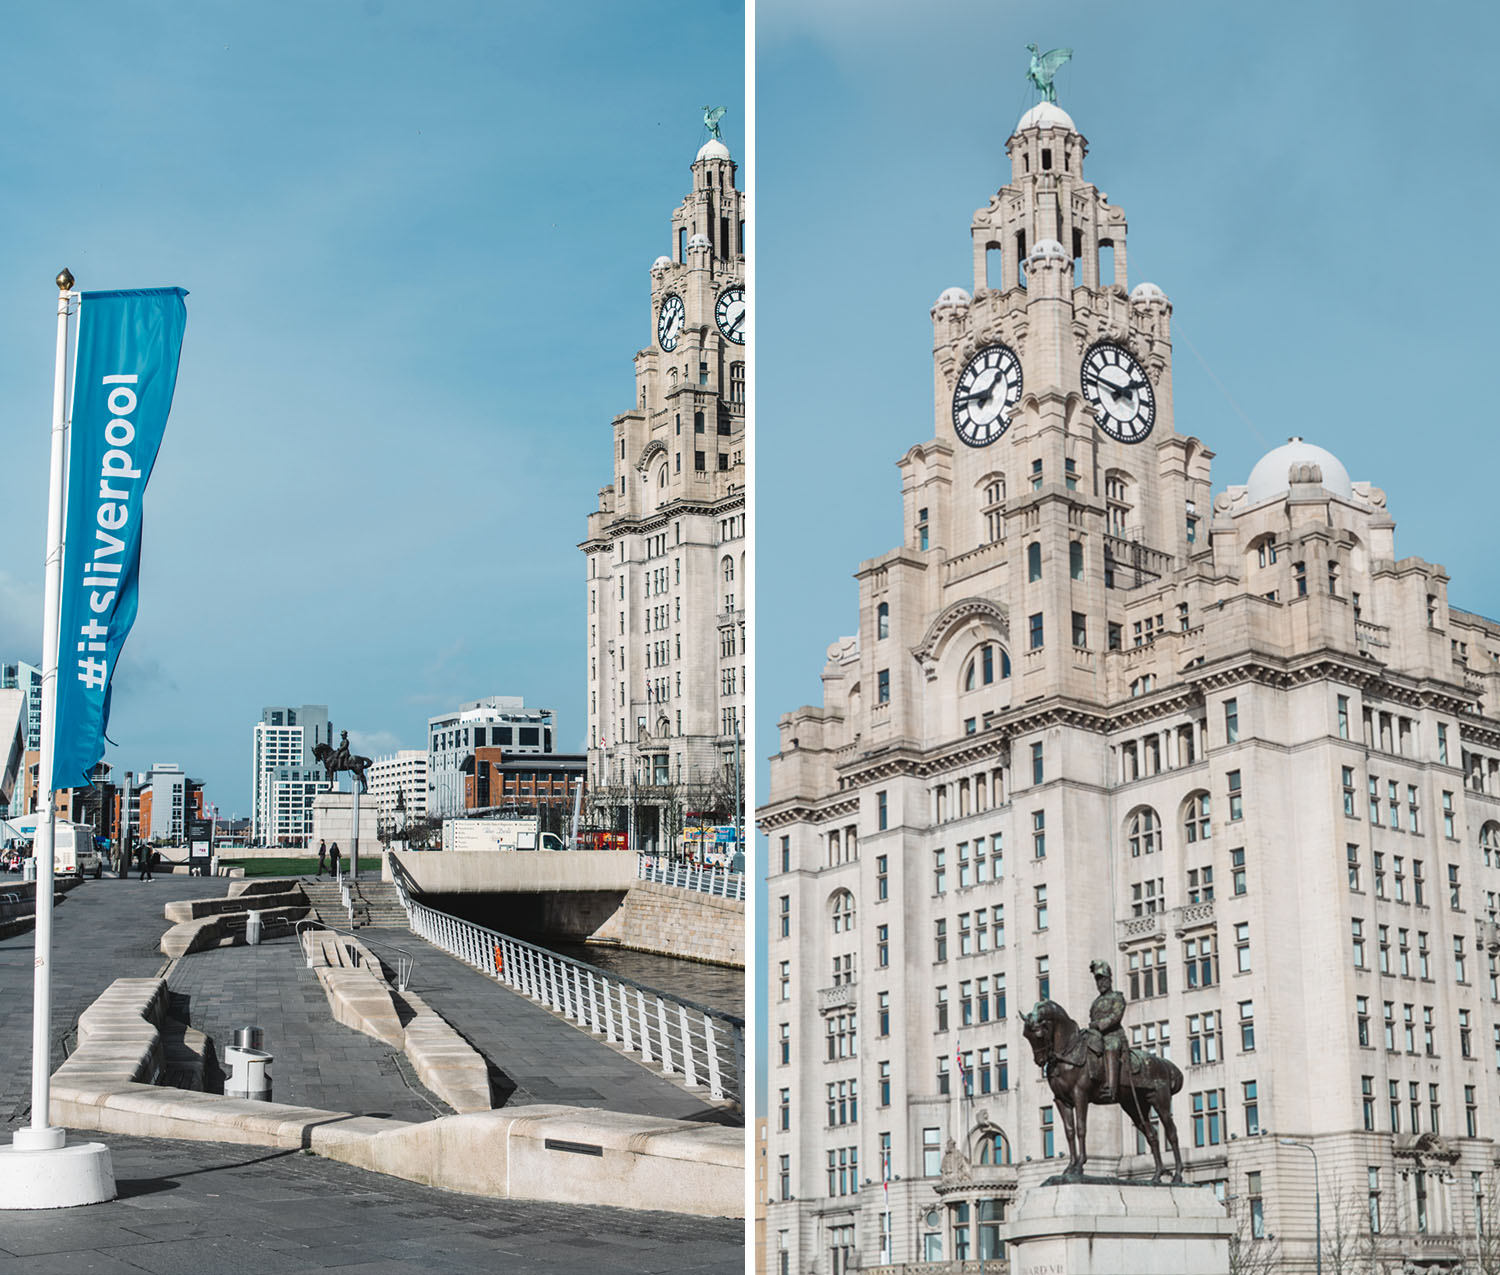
[
  {"x": 711, "y": 117},
  {"x": 1043, "y": 67}
]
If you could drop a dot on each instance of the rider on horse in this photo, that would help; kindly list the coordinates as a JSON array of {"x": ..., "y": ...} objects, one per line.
[
  {"x": 341, "y": 753},
  {"x": 1105, "y": 1015}
]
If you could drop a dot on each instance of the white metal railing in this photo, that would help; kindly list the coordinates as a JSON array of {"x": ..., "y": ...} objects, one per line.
[
  {"x": 697, "y": 1047},
  {"x": 726, "y": 885}
]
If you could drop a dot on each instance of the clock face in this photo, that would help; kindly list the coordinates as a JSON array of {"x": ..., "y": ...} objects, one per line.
[
  {"x": 1119, "y": 391},
  {"x": 988, "y": 390},
  {"x": 730, "y": 314},
  {"x": 670, "y": 321}
]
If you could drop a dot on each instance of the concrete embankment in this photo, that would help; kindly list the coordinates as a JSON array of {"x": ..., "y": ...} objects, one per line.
[{"x": 669, "y": 921}]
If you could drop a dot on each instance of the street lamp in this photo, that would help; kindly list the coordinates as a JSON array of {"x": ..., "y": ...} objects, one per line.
[{"x": 1317, "y": 1195}]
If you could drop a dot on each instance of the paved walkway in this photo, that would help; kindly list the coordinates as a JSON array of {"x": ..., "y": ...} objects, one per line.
[
  {"x": 316, "y": 1061},
  {"x": 211, "y": 1207},
  {"x": 102, "y": 931},
  {"x": 204, "y": 1208},
  {"x": 545, "y": 1057}
]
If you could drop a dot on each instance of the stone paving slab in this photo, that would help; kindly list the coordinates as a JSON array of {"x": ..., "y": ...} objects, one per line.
[{"x": 208, "y": 1207}]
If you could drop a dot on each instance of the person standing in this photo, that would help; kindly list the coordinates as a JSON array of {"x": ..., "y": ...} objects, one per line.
[
  {"x": 333, "y": 855},
  {"x": 322, "y": 856},
  {"x": 146, "y": 873}
]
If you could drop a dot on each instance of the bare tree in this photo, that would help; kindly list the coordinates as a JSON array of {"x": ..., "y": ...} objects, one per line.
[
  {"x": 1487, "y": 1224},
  {"x": 1251, "y": 1254}
]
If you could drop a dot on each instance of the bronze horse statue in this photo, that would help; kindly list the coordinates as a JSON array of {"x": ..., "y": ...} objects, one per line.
[
  {"x": 334, "y": 761},
  {"x": 1074, "y": 1067}
]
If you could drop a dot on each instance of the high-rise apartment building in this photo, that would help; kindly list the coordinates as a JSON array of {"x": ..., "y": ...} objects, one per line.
[
  {"x": 497, "y": 721},
  {"x": 285, "y": 776},
  {"x": 400, "y": 778},
  {"x": 28, "y": 678},
  {"x": 666, "y": 549},
  {"x": 1235, "y": 744}
]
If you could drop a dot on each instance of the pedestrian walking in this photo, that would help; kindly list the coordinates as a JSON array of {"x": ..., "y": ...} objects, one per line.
[
  {"x": 146, "y": 874},
  {"x": 322, "y": 856},
  {"x": 333, "y": 855}
]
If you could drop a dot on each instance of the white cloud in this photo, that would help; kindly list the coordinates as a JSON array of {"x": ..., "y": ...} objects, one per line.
[{"x": 373, "y": 743}]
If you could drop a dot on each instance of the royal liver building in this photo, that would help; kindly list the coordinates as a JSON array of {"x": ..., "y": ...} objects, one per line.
[
  {"x": 1234, "y": 743},
  {"x": 666, "y": 547}
]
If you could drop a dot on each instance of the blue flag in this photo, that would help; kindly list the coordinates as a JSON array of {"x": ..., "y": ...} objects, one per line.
[{"x": 128, "y": 345}]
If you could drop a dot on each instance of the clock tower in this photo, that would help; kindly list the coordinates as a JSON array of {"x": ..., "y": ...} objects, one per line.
[{"x": 665, "y": 548}]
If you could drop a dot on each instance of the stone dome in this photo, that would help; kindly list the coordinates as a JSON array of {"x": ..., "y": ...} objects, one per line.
[
  {"x": 661, "y": 263},
  {"x": 1047, "y": 115},
  {"x": 953, "y": 296},
  {"x": 1274, "y": 472},
  {"x": 698, "y": 241},
  {"x": 1146, "y": 292},
  {"x": 713, "y": 149},
  {"x": 1047, "y": 250}
]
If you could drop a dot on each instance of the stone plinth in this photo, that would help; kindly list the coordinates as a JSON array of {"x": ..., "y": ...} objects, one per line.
[
  {"x": 1095, "y": 1228},
  {"x": 333, "y": 820}
]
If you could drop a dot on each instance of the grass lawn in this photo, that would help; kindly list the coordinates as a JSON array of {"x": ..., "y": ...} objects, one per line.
[{"x": 294, "y": 867}]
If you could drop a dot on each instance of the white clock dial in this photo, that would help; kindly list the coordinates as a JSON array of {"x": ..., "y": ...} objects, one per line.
[
  {"x": 670, "y": 321},
  {"x": 1119, "y": 392},
  {"x": 729, "y": 313},
  {"x": 987, "y": 392}
]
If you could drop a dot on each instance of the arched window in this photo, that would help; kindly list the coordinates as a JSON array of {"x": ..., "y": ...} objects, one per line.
[
  {"x": 1119, "y": 500},
  {"x": 843, "y": 912},
  {"x": 991, "y": 1147},
  {"x": 1489, "y": 844},
  {"x": 883, "y": 620},
  {"x": 1143, "y": 832},
  {"x": 1262, "y": 552},
  {"x": 993, "y": 507},
  {"x": 1033, "y": 561},
  {"x": 728, "y": 565},
  {"x": 980, "y": 670},
  {"x": 661, "y": 476},
  {"x": 1196, "y": 825}
]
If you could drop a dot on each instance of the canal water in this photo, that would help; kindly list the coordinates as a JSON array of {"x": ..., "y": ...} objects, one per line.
[{"x": 718, "y": 987}]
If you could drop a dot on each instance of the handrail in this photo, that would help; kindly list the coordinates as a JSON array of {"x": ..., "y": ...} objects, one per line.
[
  {"x": 405, "y": 964},
  {"x": 715, "y": 881},
  {"x": 696, "y": 1046}
]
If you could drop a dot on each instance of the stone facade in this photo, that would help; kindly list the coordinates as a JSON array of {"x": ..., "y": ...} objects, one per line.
[
  {"x": 666, "y": 576},
  {"x": 670, "y": 921},
  {"x": 1234, "y": 745}
]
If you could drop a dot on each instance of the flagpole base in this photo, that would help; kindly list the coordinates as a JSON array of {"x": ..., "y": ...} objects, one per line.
[{"x": 54, "y": 1176}]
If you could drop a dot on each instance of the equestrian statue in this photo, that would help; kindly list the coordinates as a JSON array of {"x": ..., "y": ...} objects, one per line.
[
  {"x": 1092, "y": 1065},
  {"x": 340, "y": 758}
]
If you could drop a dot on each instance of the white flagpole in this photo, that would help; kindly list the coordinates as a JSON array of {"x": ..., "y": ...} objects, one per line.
[
  {"x": 42, "y": 1135},
  {"x": 39, "y": 1170}
]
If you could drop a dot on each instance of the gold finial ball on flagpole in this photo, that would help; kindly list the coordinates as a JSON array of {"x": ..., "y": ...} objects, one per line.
[{"x": 65, "y": 280}]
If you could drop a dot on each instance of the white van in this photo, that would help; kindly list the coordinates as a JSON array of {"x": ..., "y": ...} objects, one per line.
[{"x": 73, "y": 852}]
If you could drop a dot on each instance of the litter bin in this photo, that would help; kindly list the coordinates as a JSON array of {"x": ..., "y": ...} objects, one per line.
[
  {"x": 249, "y": 1073},
  {"x": 28, "y": 871},
  {"x": 250, "y": 1038},
  {"x": 252, "y": 928}
]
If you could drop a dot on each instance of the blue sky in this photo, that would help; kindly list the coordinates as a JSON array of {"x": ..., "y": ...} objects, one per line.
[
  {"x": 418, "y": 240},
  {"x": 1306, "y": 182}
]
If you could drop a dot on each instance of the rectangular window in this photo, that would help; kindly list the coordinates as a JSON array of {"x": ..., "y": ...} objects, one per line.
[
  {"x": 1242, "y": 947},
  {"x": 1237, "y": 867},
  {"x": 1359, "y": 943},
  {"x": 1041, "y": 906},
  {"x": 1442, "y": 732},
  {"x": 1247, "y": 1027},
  {"x": 880, "y": 811},
  {"x": 939, "y": 871},
  {"x": 1343, "y": 716},
  {"x": 1353, "y": 856},
  {"x": 1036, "y": 763},
  {"x": 1448, "y": 815},
  {"x": 882, "y": 877},
  {"x": 882, "y": 946},
  {"x": 1362, "y": 1020},
  {"x": 1208, "y": 1110},
  {"x": 1035, "y": 627},
  {"x": 1080, "y": 629},
  {"x": 1252, "y": 1109},
  {"x": 1039, "y": 833},
  {"x": 786, "y": 916},
  {"x": 1231, "y": 721},
  {"x": 1347, "y": 773},
  {"x": 883, "y": 686},
  {"x": 1367, "y": 1102},
  {"x": 1236, "y": 797}
]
